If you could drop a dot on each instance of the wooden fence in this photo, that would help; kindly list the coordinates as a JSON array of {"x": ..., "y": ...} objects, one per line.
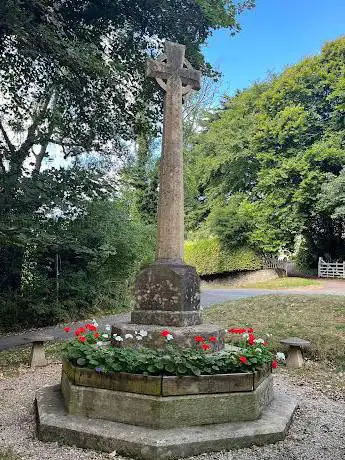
[
  {"x": 274, "y": 262},
  {"x": 331, "y": 269}
]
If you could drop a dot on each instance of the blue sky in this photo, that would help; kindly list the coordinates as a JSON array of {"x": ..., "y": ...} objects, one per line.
[{"x": 275, "y": 34}]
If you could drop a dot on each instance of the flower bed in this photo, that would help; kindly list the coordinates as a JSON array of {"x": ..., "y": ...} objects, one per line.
[
  {"x": 166, "y": 385},
  {"x": 91, "y": 350}
]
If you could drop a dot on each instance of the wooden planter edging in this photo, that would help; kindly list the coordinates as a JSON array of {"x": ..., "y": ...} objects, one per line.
[{"x": 166, "y": 385}]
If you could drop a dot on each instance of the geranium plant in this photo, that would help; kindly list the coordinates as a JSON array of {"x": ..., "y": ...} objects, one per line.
[{"x": 91, "y": 348}]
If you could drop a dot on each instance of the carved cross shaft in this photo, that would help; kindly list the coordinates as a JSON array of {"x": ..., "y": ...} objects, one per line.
[{"x": 177, "y": 77}]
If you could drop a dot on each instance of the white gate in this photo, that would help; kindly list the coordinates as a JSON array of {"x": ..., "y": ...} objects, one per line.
[{"x": 331, "y": 269}]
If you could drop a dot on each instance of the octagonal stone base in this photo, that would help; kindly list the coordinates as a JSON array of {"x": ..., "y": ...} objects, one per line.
[
  {"x": 169, "y": 411},
  {"x": 55, "y": 424}
]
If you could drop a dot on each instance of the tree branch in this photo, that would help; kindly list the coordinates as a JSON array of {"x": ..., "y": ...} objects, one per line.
[
  {"x": 37, "y": 119},
  {"x": 43, "y": 149},
  {"x": 2, "y": 167},
  {"x": 9, "y": 144}
]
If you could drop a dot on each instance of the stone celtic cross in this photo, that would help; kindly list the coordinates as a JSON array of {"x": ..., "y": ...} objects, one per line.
[{"x": 177, "y": 77}]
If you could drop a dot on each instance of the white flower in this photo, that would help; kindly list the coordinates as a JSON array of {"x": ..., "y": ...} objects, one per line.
[
  {"x": 105, "y": 336},
  {"x": 135, "y": 332},
  {"x": 245, "y": 335},
  {"x": 258, "y": 350},
  {"x": 280, "y": 356},
  {"x": 169, "y": 337},
  {"x": 259, "y": 341},
  {"x": 143, "y": 333},
  {"x": 95, "y": 323},
  {"x": 108, "y": 327},
  {"x": 99, "y": 344},
  {"x": 139, "y": 337},
  {"x": 118, "y": 338},
  {"x": 128, "y": 336}
]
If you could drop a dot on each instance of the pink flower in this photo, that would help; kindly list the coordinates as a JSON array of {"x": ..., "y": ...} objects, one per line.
[
  {"x": 165, "y": 333},
  {"x": 67, "y": 329}
]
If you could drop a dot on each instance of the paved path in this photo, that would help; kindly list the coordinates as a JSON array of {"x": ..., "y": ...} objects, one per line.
[{"x": 209, "y": 297}]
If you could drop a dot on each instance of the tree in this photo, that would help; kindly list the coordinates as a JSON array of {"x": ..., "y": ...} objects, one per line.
[
  {"x": 72, "y": 81},
  {"x": 278, "y": 143}
]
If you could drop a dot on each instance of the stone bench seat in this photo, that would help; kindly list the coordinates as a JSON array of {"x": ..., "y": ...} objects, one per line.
[
  {"x": 38, "y": 358},
  {"x": 295, "y": 356}
]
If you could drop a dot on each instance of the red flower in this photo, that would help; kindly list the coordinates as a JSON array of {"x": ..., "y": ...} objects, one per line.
[
  {"x": 250, "y": 329},
  {"x": 91, "y": 327},
  {"x": 251, "y": 339},
  {"x": 274, "y": 364},
  {"x": 205, "y": 346},
  {"x": 96, "y": 335},
  {"x": 243, "y": 360},
  {"x": 80, "y": 331},
  {"x": 213, "y": 338},
  {"x": 165, "y": 333},
  {"x": 81, "y": 338},
  {"x": 67, "y": 329},
  {"x": 237, "y": 331},
  {"x": 199, "y": 338}
]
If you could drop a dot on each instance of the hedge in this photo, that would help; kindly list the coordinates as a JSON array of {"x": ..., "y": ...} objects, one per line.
[{"x": 210, "y": 258}]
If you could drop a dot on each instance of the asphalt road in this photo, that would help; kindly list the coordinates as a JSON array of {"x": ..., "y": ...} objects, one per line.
[{"x": 208, "y": 298}]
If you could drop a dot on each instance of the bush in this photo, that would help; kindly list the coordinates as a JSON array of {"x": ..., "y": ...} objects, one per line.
[
  {"x": 209, "y": 257},
  {"x": 98, "y": 255}
]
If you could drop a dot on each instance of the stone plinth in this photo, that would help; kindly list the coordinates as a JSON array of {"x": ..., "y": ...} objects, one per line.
[
  {"x": 183, "y": 336},
  {"x": 166, "y": 411},
  {"x": 54, "y": 423},
  {"x": 167, "y": 294}
]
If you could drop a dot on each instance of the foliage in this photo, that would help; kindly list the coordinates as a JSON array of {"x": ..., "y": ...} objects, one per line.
[
  {"x": 267, "y": 167},
  {"x": 90, "y": 348},
  {"x": 86, "y": 266},
  {"x": 139, "y": 180},
  {"x": 73, "y": 73},
  {"x": 210, "y": 257}
]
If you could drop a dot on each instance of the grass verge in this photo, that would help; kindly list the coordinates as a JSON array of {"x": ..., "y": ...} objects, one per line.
[
  {"x": 320, "y": 319},
  {"x": 11, "y": 361},
  {"x": 282, "y": 283}
]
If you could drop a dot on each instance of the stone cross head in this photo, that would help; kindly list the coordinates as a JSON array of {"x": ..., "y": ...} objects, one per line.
[{"x": 173, "y": 65}]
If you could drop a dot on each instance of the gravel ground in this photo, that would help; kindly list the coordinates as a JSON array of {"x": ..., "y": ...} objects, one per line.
[{"x": 317, "y": 433}]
